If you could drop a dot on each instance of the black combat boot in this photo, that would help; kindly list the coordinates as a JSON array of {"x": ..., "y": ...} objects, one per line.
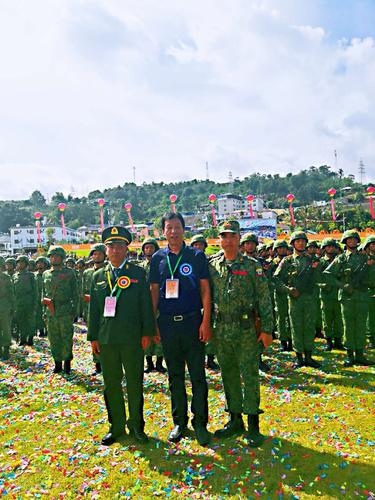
[
  {"x": 350, "y": 358},
  {"x": 159, "y": 365},
  {"x": 98, "y": 368},
  {"x": 30, "y": 341},
  {"x": 5, "y": 353},
  {"x": 42, "y": 333},
  {"x": 300, "y": 361},
  {"x": 361, "y": 360},
  {"x": 284, "y": 345},
  {"x": 211, "y": 364},
  {"x": 338, "y": 344},
  {"x": 263, "y": 367},
  {"x": 67, "y": 367},
  {"x": 58, "y": 367},
  {"x": 290, "y": 345},
  {"x": 22, "y": 342},
  {"x": 309, "y": 361},
  {"x": 254, "y": 437},
  {"x": 329, "y": 346},
  {"x": 233, "y": 427},
  {"x": 1, "y": 352},
  {"x": 150, "y": 365}
]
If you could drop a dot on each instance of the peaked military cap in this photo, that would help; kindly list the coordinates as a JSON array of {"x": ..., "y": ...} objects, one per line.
[
  {"x": 229, "y": 226},
  {"x": 116, "y": 234},
  {"x": 249, "y": 237}
]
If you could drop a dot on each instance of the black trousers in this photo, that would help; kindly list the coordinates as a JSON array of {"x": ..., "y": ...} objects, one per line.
[{"x": 181, "y": 346}]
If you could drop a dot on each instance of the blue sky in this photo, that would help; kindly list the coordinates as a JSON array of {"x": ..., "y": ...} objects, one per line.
[{"x": 88, "y": 89}]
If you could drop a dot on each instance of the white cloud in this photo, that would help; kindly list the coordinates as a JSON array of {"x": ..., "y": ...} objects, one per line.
[{"x": 87, "y": 90}]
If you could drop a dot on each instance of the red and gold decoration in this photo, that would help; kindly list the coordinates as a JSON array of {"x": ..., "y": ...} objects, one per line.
[
  {"x": 290, "y": 198},
  {"x": 173, "y": 199},
  {"x": 128, "y": 207},
  {"x": 371, "y": 191},
  {"x": 250, "y": 198},
  {"x": 332, "y": 192},
  {"x": 62, "y": 207},
  {"x": 212, "y": 199},
  {"x": 123, "y": 282},
  {"x": 101, "y": 203},
  {"x": 37, "y": 217}
]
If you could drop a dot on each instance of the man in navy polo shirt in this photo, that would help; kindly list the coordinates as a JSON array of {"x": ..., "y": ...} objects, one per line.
[{"x": 180, "y": 290}]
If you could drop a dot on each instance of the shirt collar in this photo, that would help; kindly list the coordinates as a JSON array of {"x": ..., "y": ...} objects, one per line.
[
  {"x": 168, "y": 250},
  {"x": 119, "y": 267}
]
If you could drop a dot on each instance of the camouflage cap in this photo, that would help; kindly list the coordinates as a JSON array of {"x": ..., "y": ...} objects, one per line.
[
  {"x": 97, "y": 247},
  {"x": 229, "y": 226},
  {"x": 280, "y": 244},
  {"x": 298, "y": 235},
  {"x": 249, "y": 237},
  {"x": 23, "y": 258},
  {"x": 329, "y": 242},
  {"x": 116, "y": 234},
  {"x": 56, "y": 250},
  {"x": 150, "y": 241},
  {"x": 11, "y": 260},
  {"x": 351, "y": 233},
  {"x": 198, "y": 238},
  {"x": 368, "y": 240}
]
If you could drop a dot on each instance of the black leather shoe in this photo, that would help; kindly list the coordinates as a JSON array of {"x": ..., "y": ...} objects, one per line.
[
  {"x": 58, "y": 367},
  {"x": 159, "y": 365},
  {"x": 202, "y": 435},
  {"x": 139, "y": 435},
  {"x": 30, "y": 341},
  {"x": 108, "y": 439},
  {"x": 177, "y": 433}
]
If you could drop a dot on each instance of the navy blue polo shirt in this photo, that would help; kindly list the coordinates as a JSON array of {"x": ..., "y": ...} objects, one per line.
[{"x": 192, "y": 268}]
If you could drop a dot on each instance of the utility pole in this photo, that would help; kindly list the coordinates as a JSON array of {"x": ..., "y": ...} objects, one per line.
[
  {"x": 362, "y": 171},
  {"x": 134, "y": 175},
  {"x": 335, "y": 154},
  {"x": 230, "y": 179},
  {"x": 207, "y": 175}
]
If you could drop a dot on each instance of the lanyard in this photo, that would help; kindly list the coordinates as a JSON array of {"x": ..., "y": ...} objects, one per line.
[
  {"x": 113, "y": 288},
  {"x": 176, "y": 266}
]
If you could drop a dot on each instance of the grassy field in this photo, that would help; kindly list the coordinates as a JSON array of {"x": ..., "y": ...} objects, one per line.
[{"x": 320, "y": 426}]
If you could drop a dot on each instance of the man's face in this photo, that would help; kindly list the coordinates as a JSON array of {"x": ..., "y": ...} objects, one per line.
[
  {"x": 371, "y": 248},
  {"x": 149, "y": 249},
  {"x": 80, "y": 266},
  {"x": 97, "y": 257},
  {"x": 330, "y": 249},
  {"x": 9, "y": 267},
  {"x": 300, "y": 244},
  {"x": 41, "y": 266},
  {"x": 311, "y": 250},
  {"x": 174, "y": 232},
  {"x": 249, "y": 247},
  {"x": 21, "y": 265},
  {"x": 229, "y": 242},
  {"x": 199, "y": 245},
  {"x": 116, "y": 252},
  {"x": 281, "y": 251},
  {"x": 69, "y": 264},
  {"x": 56, "y": 260},
  {"x": 352, "y": 243}
]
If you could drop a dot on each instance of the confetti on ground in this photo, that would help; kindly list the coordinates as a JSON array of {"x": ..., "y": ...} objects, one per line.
[{"x": 319, "y": 423}]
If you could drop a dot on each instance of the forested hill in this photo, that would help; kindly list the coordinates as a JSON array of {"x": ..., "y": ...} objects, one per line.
[{"x": 151, "y": 200}]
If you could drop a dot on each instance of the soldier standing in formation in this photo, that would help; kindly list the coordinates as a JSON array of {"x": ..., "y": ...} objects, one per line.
[
  {"x": 26, "y": 294},
  {"x": 240, "y": 293},
  {"x": 369, "y": 247},
  {"x": 42, "y": 265},
  {"x": 7, "y": 305},
  {"x": 60, "y": 296}
]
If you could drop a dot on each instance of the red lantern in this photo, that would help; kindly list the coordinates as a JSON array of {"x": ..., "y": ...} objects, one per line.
[
  {"x": 172, "y": 199},
  {"x": 290, "y": 197},
  {"x": 370, "y": 191}
]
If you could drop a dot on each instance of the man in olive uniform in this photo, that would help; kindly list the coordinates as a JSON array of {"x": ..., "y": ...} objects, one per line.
[
  {"x": 42, "y": 265},
  {"x": 60, "y": 296},
  {"x": 80, "y": 268},
  {"x": 10, "y": 266},
  {"x": 199, "y": 242},
  {"x": 350, "y": 271},
  {"x": 281, "y": 300},
  {"x": 98, "y": 255},
  {"x": 70, "y": 262},
  {"x": 149, "y": 247},
  {"x": 312, "y": 249},
  {"x": 240, "y": 293},
  {"x": 330, "y": 306},
  {"x": 296, "y": 276},
  {"x": 7, "y": 304},
  {"x": 369, "y": 246},
  {"x": 121, "y": 325},
  {"x": 26, "y": 294}
]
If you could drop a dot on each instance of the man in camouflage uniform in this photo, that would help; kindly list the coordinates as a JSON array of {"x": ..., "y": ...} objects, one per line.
[
  {"x": 199, "y": 242},
  {"x": 369, "y": 246},
  {"x": 26, "y": 300},
  {"x": 60, "y": 296},
  {"x": 7, "y": 304},
  {"x": 42, "y": 265},
  {"x": 98, "y": 255},
  {"x": 350, "y": 271},
  {"x": 149, "y": 247},
  {"x": 70, "y": 262},
  {"x": 312, "y": 249},
  {"x": 330, "y": 306},
  {"x": 281, "y": 299},
  {"x": 240, "y": 293},
  {"x": 10, "y": 266},
  {"x": 80, "y": 268},
  {"x": 296, "y": 276}
]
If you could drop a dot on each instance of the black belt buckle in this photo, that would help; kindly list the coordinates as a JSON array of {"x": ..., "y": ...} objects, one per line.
[{"x": 179, "y": 317}]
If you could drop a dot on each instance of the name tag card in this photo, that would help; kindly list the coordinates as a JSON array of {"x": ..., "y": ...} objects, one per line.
[
  {"x": 171, "y": 289},
  {"x": 110, "y": 307}
]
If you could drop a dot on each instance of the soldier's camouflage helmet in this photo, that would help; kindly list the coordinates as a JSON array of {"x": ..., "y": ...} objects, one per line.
[
  {"x": 23, "y": 258},
  {"x": 369, "y": 239},
  {"x": 80, "y": 261},
  {"x": 312, "y": 243},
  {"x": 69, "y": 260},
  {"x": 98, "y": 247},
  {"x": 11, "y": 260},
  {"x": 249, "y": 237},
  {"x": 280, "y": 244},
  {"x": 56, "y": 250},
  {"x": 350, "y": 234},
  {"x": 150, "y": 241},
  {"x": 42, "y": 259},
  {"x": 298, "y": 235},
  {"x": 198, "y": 238},
  {"x": 329, "y": 242},
  {"x": 262, "y": 247}
]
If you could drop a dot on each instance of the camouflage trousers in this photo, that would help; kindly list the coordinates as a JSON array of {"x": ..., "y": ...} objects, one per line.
[
  {"x": 282, "y": 316},
  {"x": 25, "y": 323},
  {"x": 60, "y": 336},
  {"x": 238, "y": 357},
  {"x": 332, "y": 320},
  {"x": 302, "y": 322},
  {"x": 354, "y": 315},
  {"x": 5, "y": 329},
  {"x": 39, "y": 321}
]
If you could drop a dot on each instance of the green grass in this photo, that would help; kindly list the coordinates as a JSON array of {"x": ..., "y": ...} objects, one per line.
[{"x": 320, "y": 426}]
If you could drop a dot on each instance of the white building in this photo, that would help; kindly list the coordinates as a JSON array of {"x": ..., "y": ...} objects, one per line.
[
  {"x": 26, "y": 237},
  {"x": 229, "y": 204}
]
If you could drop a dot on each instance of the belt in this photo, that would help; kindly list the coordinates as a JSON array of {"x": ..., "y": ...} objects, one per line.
[{"x": 181, "y": 317}]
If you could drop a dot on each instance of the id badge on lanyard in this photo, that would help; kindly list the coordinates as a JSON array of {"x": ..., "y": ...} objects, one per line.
[
  {"x": 172, "y": 288},
  {"x": 110, "y": 307}
]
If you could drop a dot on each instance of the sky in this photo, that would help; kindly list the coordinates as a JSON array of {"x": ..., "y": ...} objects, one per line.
[{"x": 91, "y": 89}]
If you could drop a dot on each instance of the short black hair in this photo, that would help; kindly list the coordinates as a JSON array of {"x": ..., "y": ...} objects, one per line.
[{"x": 172, "y": 215}]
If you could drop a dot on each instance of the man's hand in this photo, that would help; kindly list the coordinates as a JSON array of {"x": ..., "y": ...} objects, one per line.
[
  {"x": 205, "y": 331},
  {"x": 293, "y": 292},
  {"x": 266, "y": 338},
  {"x": 157, "y": 338},
  {"x": 95, "y": 347},
  {"x": 145, "y": 342}
]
